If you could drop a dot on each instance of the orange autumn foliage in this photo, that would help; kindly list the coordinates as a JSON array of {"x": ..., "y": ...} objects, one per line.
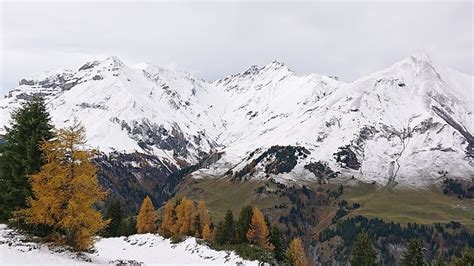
[
  {"x": 295, "y": 253},
  {"x": 185, "y": 214},
  {"x": 207, "y": 233},
  {"x": 258, "y": 231},
  {"x": 203, "y": 214},
  {"x": 147, "y": 217},
  {"x": 168, "y": 220},
  {"x": 66, "y": 188},
  {"x": 183, "y": 218}
]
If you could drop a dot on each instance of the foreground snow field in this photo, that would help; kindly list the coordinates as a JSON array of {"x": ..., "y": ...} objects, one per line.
[{"x": 147, "y": 249}]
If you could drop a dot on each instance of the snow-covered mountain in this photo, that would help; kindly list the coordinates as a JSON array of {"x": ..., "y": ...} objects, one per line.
[{"x": 409, "y": 124}]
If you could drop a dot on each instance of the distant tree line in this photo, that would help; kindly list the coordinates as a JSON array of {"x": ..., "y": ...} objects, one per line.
[
  {"x": 436, "y": 240},
  {"x": 458, "y": 188},
  {"x": 364, "y": 253}
]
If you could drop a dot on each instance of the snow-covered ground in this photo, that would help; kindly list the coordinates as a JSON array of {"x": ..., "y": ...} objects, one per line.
[{"x": 146, "y": 249}]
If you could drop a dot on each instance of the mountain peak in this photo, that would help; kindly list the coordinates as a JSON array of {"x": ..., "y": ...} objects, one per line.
[
  {"x": 276, "y": 65},
  {"x": 111, "y": 61},
  {"x": 421, "y": 56}
]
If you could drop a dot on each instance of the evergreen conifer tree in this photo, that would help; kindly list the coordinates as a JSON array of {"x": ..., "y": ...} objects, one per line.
[
  {"x": 114, "y": 213},
  {"x": 278, "y": 241},
  {"x": 243, "y": 224},
  {"x": 219, "y": 234},
  {"x": 229, "y": 228},
  {"x": 21, "y": 154},
  {"x": 414, "y": 254},
  {"x": 467, "y": 257},
  {"x": 363, "y": 252},
  {"x": 439, "y": 261}
]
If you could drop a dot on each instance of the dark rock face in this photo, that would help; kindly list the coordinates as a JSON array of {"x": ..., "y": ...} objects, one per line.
[
  {"x": 149, "y": 135},
  {"x": 427, "y": 125},
  {"x": 168, "y": 189},
  {"x": 462, "y": 130},
  {"x": 278, "y": 159},
  {"x": 63, "y": 81},
  {"x": 321, "y": 170},
  {"x": 347, "y": 158},
  {"x": 130, "y": 177},
  {"x": 26, "y": 82},
  {"x": 365, "y": 133},
  {"x": 97, "y": 77},
  {"x": 88, "y": 65}
]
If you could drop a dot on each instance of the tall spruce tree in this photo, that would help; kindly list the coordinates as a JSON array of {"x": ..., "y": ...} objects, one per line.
[
  {"x": 467, "y": 257},
  {"x": 243, "y": 224},
  {"x": 114, "y": 213},
  {"x": 229, "y": 227},
  {"x": 439, "y": 261},
  {"x": 363, "y": 252},
  {"x": 21, "y": 154},
  {"x": 414, "y": 254},
  {"x": 278, "y": 241},
  {"x": 220, "y": 237},
  {"x": 225, "y": 230}
]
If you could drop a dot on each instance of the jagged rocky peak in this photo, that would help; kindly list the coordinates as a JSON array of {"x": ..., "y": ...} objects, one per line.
[
  {"x": 275, "y": 64},
  {"x": 276, "y": 67},
  {"x": 109, "y": 62},
  {"x": 419, "y": 65},
  {"x": 47, "y": 78}
]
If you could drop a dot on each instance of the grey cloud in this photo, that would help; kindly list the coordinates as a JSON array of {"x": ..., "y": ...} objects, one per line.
[{"x": 217, "y": 39}]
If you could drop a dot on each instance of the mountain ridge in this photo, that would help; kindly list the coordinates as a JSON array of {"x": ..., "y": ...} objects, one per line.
[{"x": 396, "y": 123}]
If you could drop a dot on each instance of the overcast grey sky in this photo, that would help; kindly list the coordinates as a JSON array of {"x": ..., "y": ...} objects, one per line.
[{"x": 211, "y": 40}]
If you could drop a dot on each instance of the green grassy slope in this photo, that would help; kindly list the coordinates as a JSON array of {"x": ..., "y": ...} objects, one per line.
[
  {"x": 406, "y": 205},
  {"x": 220, "y": 195},
  {"x": 399, "y": 205}
]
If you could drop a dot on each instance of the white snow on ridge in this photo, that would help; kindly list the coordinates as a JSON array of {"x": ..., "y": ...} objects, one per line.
[{"x": 148, "y": 249}]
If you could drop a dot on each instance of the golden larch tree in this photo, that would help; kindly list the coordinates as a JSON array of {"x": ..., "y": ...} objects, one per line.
[
  {"x": 207, "y": 233},
  {"x": 258, "y": 230},
  {"x": 185, "y": 214},
  {"x": 147, "y": 217},
  {"x": 180, "y": 214},
  {"x": 66, "y": 189},
  {"x": 296, "y": 254},
  {"x": 203, "y": 214},
  {"x": 168, "y": 220}
]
